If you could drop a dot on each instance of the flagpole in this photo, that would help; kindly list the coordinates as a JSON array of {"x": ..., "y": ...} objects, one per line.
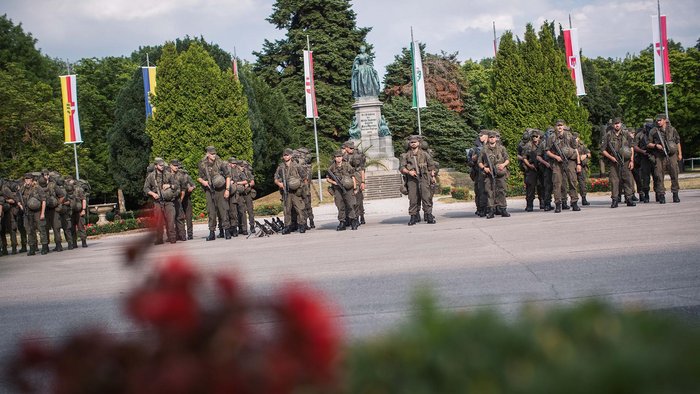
[
  {"x": 661, "y": 54},
  {"x": 75, "y": 145},
  {"x": 318, "y": 159},
  {"x": 495, "y": 48},
  {"x": 413, "y": 73}
]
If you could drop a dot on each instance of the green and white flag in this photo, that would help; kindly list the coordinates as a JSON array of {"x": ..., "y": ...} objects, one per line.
[{"x": 418, "y": 82}]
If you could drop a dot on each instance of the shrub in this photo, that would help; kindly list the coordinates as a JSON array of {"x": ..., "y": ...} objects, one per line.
[
  {"x": 461, "y": 193},
  {"x": 445, "y": 190},
  {"x": 116, "y": 226},
  {"x": 268, "y": 209}
]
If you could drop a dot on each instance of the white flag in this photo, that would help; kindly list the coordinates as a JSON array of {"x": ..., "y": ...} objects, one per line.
[
  {"x": 309, "y": 88},
  {"x": 658, "y": 78},
  {"x": 418, "y": 77},
  {"x": 573, "y": 61}
]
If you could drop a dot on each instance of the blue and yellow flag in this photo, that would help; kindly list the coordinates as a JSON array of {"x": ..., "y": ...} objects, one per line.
[{"x": 149, "y": 87}]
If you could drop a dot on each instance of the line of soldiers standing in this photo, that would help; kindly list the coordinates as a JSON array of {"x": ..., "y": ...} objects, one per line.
[
  {"x": 555, "y": 163},
  {"x": 346, "y": 178},
  {"x": 38, "y": 203}
]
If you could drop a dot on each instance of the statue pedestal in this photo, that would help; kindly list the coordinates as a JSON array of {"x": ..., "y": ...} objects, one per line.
[
  {"x": 383, "y": 178},
  {"x": 378, "y": 149}
]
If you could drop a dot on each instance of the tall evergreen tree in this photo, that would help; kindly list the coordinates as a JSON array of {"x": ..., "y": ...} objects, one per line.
[
  {"x": 129, "y": 145},
  {"x": 198, "y": 105},
  {"x": 271, "y": 126},
  {"x": 335, "y": 40}
]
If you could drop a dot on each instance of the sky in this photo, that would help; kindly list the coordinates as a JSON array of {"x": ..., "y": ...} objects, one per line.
[{"x": 76, "y": 29}]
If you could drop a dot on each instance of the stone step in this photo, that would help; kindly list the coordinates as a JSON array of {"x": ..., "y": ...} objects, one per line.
[{"x": 383, "y": 186}]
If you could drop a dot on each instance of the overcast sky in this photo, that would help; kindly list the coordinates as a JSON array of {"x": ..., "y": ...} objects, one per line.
[{"x": 96, "y": 28}]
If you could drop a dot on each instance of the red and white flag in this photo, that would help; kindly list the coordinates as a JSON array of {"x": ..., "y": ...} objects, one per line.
[
  {"x": 309, "y": 87},
  {"x": 655, "y": 27},
  {"x": 573, "y": 60}
]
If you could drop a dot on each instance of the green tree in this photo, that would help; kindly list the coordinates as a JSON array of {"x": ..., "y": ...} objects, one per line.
[
  {"x": 271, "y": 126},
  {"x": 99, "y": 83},
  {"x": 129, "y": 145},
  {"x": 335, "y": 40},
  {"x": 18, "y": 47},
  {"x": 197, "y": 105}
]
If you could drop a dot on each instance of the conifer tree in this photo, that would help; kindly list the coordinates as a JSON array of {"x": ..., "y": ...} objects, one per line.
[
  {"x": 197, "y": 105},
  {"x": 335, "y": 40}
]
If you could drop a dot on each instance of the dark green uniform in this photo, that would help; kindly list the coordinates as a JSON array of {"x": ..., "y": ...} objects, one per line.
[
  {"x": 217, "y": 204},
  {"x": 164, "y": 184},
  {"x": 187, "y": 186},
  {"x": 617, "y": 144},
  {"x": 529, "y": 155},
  {"x": 236, "y": 207},
  {"x": 78, "y": 199},
  {"x": 62, "y": 215},
  {"x": 419, "y": 193},
  {"x": 10, "y": 208},
  {"x": 495, "y": 184},
  {"x": 644, "y": 161},
  {"x": 357, "y": 161},
  {"x": 249, "y": 195},
  {"x": 343, "y": 194},
  {"x": 292, "y": 174},
  {"x": 34, "y": 220},
  {"x": 583, "y": 175},
  {"x": 665, "y": 164},
  {"x": 563, "y": 173}
]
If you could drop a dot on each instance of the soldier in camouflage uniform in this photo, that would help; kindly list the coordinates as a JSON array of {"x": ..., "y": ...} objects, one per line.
[
  {"x": 584, "y": 154},
  {"x": 480, "y": 198},
  {"x": 63, "y": 210},
  {"x": 9, "y": 226},
  {"x": 235, "y": 199},
  {"x": 616, "y": 148},
  {"x": 34, "y": 219},
  {"x": 419, "y": 168},
  {"x": 186, "y": 188},
  {"x": 341, "y": 177},
  {"x": 644, "y": 160},
  {"x": 164, "y": 189},
  {"x": 566, "y": 162},
  {"x": 357, "y": 161},
  {"x": 531, "y": 165},
  {"x": 302, "y": 157},
  {"x": 181, "y": 180},
  {"x": 78, "y": 198},
  {"x": 289, "y": 177},
  {"x": 250, "y": 193},
  {"x": 665, "y": 136},
  {"x": 494, "y": 162},
  {"x": 50, "y": 211},
  {"x": 214, "y": 177}
]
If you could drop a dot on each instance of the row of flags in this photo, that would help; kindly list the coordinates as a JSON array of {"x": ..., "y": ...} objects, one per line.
[
  {"x": 659, "y": 41},
  {"x": 71, "y": 121}
]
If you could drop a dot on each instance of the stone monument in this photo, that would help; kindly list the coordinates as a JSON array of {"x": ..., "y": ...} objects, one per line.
[{"x": 370, "y": 131}]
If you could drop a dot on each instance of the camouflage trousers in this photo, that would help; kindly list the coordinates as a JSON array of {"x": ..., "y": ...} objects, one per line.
[
  {"x": 62, "y": 221},
  {"x": 234, "y": 209},
  {"x": 419, "y": 194},
  {"x": 345, "y": 202},
  {"x": 496, "y": 191},
  {"x": 294, "y": 204},
  {"x": 34, "y": 223},
  {"x": 620, "y": 177},
  {"x": 563, "y": 179},
  {"x": 179, "y": 220},
  {"x": 77, "y": 224},
  {"x": 187, "y": 212},
  {"x": 217, "y": 207},
  {"x": 666, "y": 165},
  {"x": 164, "y": 215}
]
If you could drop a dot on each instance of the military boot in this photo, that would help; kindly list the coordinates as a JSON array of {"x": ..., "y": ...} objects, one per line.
[
  {"x": 548, "y": 207},
  {"x": 190, "y": 236},
  {"x": 529, "y": 206},
  {"x": 242, "y": 230},
  {"x": 32, "y": 251},
  {"x": 23, "y": 249},
  {"x": 58, "y": 248},
  {"x": 575, "y": 207},
  {"x": 341, "y": 226},
  {"x": 614, "y": 203},
  {"x": 212, "y": 236},
  {"x": 362, "y": 219},
  {"x": 286, "y": 230},
  {"x": 541, "y": 204},
  {"x": 676, "y": 198},
  {"x": 504, "y": 213},
  {"x": 645, "y": 200},
  {"x": 221, "y": 232},
  {"x": 413, "y": 220},
  {"x": 430, "y": 219},
  {"x": 3, "y": 251},
  {"x": 84, "y": 244},
  {"x": 661, "y": 198},
  {"x": 311, "y": 223},
  {"x": 252, "y": 229},
  {"x": 229, "y": 231},
  {"x": 302, "y": 228},
  {"x": 490, "y": 213},
  {"x": 44, "y": 249},
  {"x": 630, "y": 202},
  {"x": 564, "y": 205},
  {"x": 634, "y": 197},
  {"x": 69, "y": 246},
  {"x": 584, "y": 201},
  {"x": 557, "y": 207},
  {"x": 14, "y": 250},
  {"x": 354, "y": 224}
]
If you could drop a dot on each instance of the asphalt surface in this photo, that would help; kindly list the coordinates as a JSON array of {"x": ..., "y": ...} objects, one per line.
[{"x": 634, "y": 257}]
